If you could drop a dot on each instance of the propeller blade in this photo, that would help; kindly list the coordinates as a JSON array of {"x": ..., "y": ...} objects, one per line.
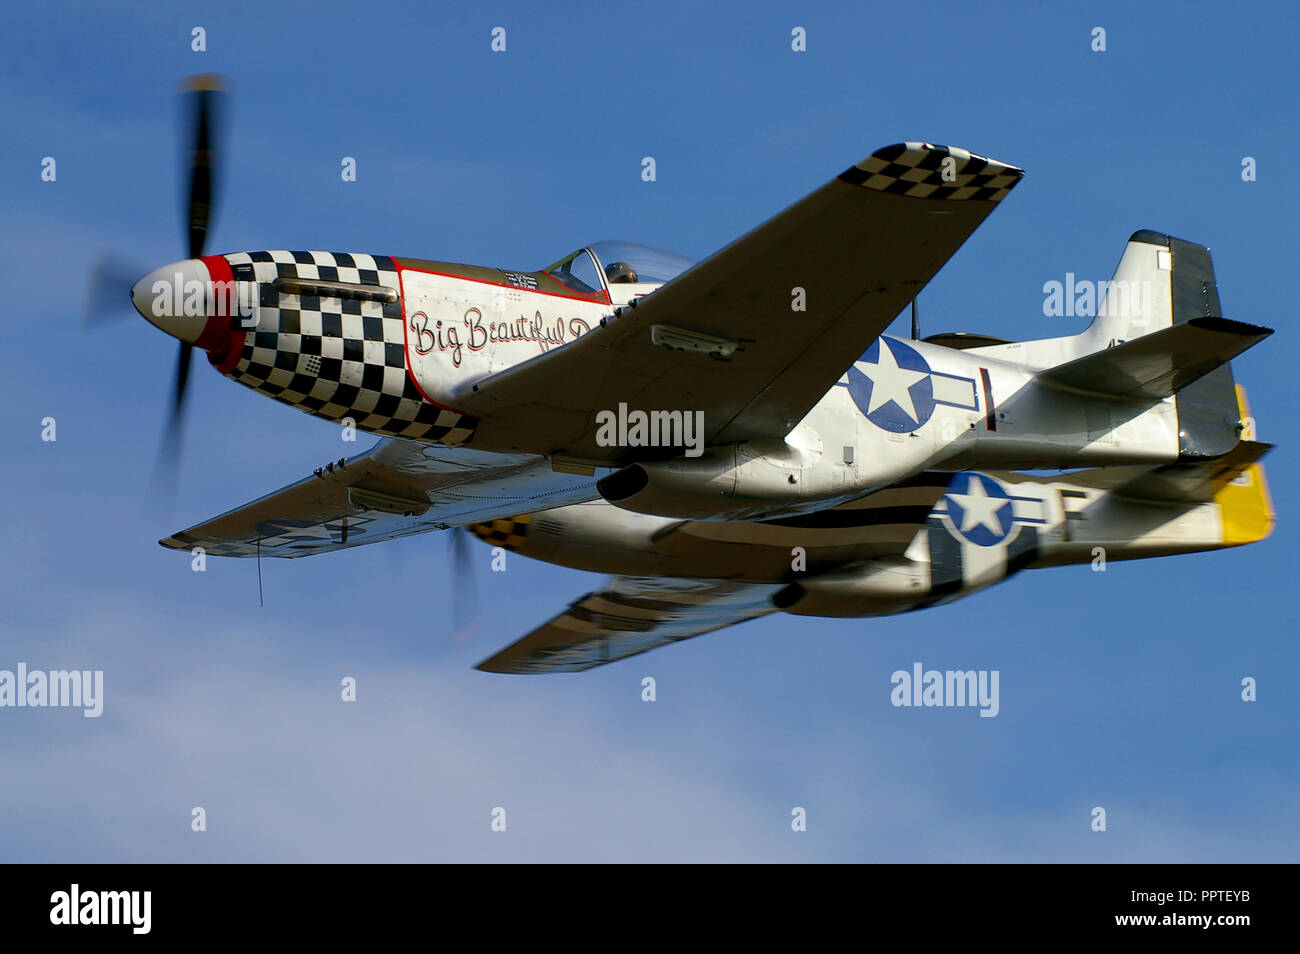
[
  {"x": 464, "y": 588},
  {"x": 204, "y": 95},
  {"x": 108, "y": 290},
  {"x": 182, "y": 378},
  {"x": 169, "y": 452},
  {"x": 203, "y": 98},
  {"x": 112, "y": 278}
]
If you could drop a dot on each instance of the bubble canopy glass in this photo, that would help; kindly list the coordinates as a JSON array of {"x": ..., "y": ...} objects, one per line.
[{"x": 652, "y": 265}]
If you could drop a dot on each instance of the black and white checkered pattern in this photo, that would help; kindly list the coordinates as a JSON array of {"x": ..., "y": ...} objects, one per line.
[
  {"x": 917, "y": 169},
  {"x": 337, "y": 358}
]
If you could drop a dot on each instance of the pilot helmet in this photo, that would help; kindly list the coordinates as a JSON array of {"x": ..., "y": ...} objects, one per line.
[{"x": 620, "y": 272}]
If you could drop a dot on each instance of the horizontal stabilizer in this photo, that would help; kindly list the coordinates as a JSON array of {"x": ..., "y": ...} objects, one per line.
[
  {"x": 1194, "y": 482},
  {"x": 1159, "y": 364}
]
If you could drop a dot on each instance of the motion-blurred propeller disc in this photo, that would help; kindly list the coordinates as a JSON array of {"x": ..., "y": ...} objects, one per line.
[
  {"x": 464, "y": 587},
  {"x": 202, "y": 96},
  {"x": 108, "y": 292},
  {"x": 112, "y": 277}
]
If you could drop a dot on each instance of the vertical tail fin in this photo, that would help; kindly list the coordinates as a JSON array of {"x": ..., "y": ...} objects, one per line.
[
  {"x": 1163, "y": 281},
  {"x": 1139, "y": 297}
]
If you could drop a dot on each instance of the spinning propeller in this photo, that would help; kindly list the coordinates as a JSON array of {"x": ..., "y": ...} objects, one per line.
[
  {"x": 112, "y": 278},
  {"x": 464, "y": 586},
  {"x": 115, "y": 285}
]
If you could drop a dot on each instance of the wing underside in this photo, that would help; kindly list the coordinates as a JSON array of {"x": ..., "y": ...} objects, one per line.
[
  {"x": 395, "y": 489},
  {"x": 631, "y": 615}
]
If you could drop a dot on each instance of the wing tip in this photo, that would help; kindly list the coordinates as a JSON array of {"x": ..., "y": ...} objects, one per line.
[
  {"x": 1230, "y": 326},
  {"x": 506, "y": 667},
  {"x": 927, "y": 171}
]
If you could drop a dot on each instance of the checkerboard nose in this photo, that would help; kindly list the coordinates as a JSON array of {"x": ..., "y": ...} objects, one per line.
[{"x": 176, "y": 298}]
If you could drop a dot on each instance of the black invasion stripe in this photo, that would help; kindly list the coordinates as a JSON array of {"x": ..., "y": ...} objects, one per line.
[
  {"x": 620, "y": 624},
  {"x": 864, "y": 517},
  {"x": 991, "y": 417},
  {"x": 644, "y": 603},
  {"x": 937, "y": 479},
  {"x": 947, "y": 573},
  {"x": 1023, "y": 550},
  {"x": 931, "y": 480}
]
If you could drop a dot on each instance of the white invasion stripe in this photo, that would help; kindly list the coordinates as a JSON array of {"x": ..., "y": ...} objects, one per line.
[{"x": 982, "y": 564}]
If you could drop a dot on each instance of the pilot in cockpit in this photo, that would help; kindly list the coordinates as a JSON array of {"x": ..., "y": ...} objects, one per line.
[{"x": 620, "y": 273}]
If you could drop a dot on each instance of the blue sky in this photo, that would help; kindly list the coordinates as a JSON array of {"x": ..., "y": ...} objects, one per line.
[{"x": 1118, "y": 689}]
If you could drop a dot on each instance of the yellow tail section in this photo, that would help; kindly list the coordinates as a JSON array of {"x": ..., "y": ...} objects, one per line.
[{"x": 1243, "y": 500}]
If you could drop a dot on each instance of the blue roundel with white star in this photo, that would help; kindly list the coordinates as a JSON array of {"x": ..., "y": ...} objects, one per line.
[
  {"x": 891, "y": 385},
  {"x": 979, "y": 509}
]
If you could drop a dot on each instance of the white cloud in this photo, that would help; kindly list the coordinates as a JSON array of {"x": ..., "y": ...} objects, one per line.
[{"x": 247, "y": 723}]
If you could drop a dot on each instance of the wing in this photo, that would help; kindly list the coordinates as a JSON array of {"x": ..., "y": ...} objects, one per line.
[
  {"x": 395, "y": 489},
  {"x": 629, "y": 616},
  {"x": 853, "y": 254}
]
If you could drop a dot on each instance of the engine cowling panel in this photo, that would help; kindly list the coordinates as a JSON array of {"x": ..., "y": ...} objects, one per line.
[{"x": 734, "y": 482}]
